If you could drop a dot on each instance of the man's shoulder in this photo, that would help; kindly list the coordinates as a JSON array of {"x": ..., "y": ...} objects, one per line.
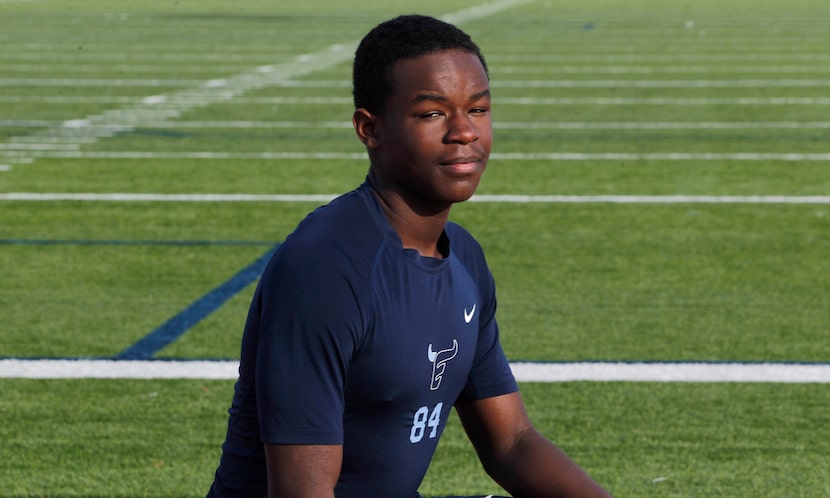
[
  {"x": 339, "y": 237},
  {"x": 346, "y": 219},
  {"x": 457, "y": 231},
  {"x": 462, "y": 242}
]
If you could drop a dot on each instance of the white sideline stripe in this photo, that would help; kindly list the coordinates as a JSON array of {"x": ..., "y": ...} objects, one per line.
[
  {"x": 197, "y": 93},
  {"x": 499, "y": 156},
  {"x": 117, "y": 369},
  {"x": 672, "y": 372},
  {"x": 520, "y": 199},
  {"x": 524, "y": 372}
]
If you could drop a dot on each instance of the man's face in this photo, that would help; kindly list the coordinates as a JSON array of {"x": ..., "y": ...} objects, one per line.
[{"x": 435, "y": 135}]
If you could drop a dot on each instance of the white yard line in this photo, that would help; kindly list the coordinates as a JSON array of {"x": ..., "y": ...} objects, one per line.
[
  {"x": 524, "y": 371},
  {"x": 100, "y": 82},
  {"x": 666, "y": 101},
  {"x": 18, "y": 151},
  {"x": 657, "y": 156},
  {"x": 150, "y": 54},
  {"x": 664, "y": 125},
  {"x": 736, "y": 83},
  {"x": 531, "y": 69},
  {"x": 653, "y": 199},
  {"x": 125, "y": 69},
  {"x": 619, "y": 69},
  {"x": 124, "y": 197},
  {"x": 503, "y": 125},
  {"x": 604, "y": 83},
  {"x": 502, "y": 101},
  {"x": 345, "y": 83},
  {"x": 197, "y": 93},
  {"x": 607, "y": 101},
  {"x": 658, "y": 58},
  {"x": 519, "y": 199}
]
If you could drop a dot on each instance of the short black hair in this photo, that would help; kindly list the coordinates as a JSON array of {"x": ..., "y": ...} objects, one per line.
[{"x": 403, "y": 37}]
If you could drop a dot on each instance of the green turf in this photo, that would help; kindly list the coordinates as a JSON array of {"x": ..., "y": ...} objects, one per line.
[
  {"x": 677, "y": 440},
  {"x": 161, "y": 438},
  {"x": 125, "y": 293},
  {"x": 679, "y": 282},
  {"x": 689, "y": 282},
  {"x": 583, "y": 281}
]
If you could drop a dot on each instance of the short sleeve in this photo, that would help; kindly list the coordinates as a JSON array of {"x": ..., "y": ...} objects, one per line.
[
  {"x": 309, "y": 328},
  {"x": 490, "y": 374}
]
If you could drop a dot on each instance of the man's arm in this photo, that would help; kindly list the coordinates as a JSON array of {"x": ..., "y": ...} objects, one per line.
[
  {"x": 299, "y": 471},
  {"x": 517, "y": 456}
]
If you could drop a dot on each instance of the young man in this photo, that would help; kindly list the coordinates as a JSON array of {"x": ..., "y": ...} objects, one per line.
[{"x": 376, "y": 315}]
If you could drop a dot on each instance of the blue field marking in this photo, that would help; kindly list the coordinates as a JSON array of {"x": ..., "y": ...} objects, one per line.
[{"x": 175, "y": 327}]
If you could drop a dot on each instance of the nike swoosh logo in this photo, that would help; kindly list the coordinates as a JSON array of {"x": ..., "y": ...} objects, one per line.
[{"x": 468, "y": 317}]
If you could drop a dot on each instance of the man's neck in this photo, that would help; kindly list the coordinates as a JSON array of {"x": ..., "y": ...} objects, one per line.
[{"x": 418, "y": 228}]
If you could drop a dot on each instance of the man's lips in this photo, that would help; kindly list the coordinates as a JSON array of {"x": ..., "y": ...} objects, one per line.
[{"x": 462, "y": 164}]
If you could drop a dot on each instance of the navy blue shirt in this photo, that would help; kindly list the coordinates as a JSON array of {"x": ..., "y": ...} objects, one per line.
[{"x": 353, "y": 340}]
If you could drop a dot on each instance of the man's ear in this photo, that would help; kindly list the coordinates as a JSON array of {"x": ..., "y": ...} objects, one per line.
[{"x": 365, "y": 125}]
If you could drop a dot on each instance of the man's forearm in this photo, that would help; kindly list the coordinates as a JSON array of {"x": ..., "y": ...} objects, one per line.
[
  {"x": 535, "y": 467},
  {"x": 301, "y": 471}
]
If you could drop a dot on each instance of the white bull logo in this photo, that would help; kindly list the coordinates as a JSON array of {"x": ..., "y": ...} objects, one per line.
[{"x": 439, "y": 361}]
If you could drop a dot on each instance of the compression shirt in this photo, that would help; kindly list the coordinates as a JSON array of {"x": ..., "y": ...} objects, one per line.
[{"x": 353, "y": 340}]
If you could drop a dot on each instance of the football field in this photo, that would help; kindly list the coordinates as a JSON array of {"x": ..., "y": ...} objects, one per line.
[{"x": 656, "y": 213}]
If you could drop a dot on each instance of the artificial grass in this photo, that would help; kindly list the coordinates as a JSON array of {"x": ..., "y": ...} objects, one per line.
[{"x": 155, "y": 438}]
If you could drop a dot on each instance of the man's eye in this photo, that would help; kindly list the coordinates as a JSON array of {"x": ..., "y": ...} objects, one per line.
[
  {"x": 479, "y": 110},
  {"x": 432, "y": 114}
]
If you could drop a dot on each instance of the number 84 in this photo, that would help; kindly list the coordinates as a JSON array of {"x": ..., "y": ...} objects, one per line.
[{"x": 424, "y": 418}]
